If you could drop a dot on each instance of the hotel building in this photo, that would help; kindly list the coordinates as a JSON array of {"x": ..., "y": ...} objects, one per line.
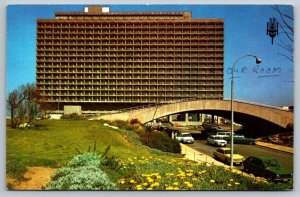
[{"x": 102, "y": 60}]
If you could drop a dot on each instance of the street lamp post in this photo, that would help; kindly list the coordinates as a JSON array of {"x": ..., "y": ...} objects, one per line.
[{"x": 258, "y": 61}]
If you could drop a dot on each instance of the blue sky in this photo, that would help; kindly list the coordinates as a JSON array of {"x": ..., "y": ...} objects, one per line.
[{"x": 245, "y": 33}]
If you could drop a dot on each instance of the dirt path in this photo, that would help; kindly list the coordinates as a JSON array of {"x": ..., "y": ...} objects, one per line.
[{"x": 36, "y": 178}]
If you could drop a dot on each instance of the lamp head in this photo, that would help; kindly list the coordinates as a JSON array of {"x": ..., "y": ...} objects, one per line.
[{"x": 258, "y": 60}]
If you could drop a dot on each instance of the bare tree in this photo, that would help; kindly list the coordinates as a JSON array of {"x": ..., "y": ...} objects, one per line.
[
  {"x": 32, "y": 107},
  {"x": 22, "y": 103},
  {"x": 15, "y": 98},
  {"x": 287, "y": 28}
]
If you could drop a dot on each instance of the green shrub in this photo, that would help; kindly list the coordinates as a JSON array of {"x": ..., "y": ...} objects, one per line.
[
  {"x": 82, "y": 173},
  {"x": 73, "y": 116},
  {"x": 160, "y": 141},
  {"x": 15, "y": 168}
]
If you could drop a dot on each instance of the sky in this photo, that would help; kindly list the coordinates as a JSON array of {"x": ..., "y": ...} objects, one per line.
[{"x": 270, "y": 83}]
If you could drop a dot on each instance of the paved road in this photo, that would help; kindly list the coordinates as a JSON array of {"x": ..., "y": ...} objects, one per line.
[{"x": 286, "y": 159}]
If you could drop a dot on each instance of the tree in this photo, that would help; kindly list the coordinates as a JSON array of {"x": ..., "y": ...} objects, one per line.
[
  {"x": 31, "y": 103},
  {"x": 22, "y": 103},
  {"x": 287, "y": 28},
  {"x": 15, "y": 98}
]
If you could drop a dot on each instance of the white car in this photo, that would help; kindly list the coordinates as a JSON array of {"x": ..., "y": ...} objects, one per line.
[
  {"x": 216, "y": 140},
  {"x": 185, "y": 138},
  {"x": 223, "y": 134}
]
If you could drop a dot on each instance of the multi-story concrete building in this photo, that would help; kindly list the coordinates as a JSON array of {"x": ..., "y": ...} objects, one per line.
[{"x": 104, "y": 60}]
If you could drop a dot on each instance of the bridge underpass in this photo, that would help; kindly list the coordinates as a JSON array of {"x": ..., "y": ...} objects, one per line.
[
  {"x": 252, "y": 126},
  {"x": 259, "y": 120}
]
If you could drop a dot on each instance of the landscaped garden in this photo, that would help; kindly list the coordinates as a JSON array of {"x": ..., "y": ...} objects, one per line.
[{"x": 91, "y": 156}]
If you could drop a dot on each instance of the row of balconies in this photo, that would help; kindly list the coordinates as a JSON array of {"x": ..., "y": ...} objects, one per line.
[
  {"x": 143, "y": 73},
  {"x": 127, "y": 99},
  {"x": 162, "y": 77},
  {"x": 126, "y": 38},
  {"x": 124, "y": 48},
  {"x": 150, "y": 61},
  {"x": 96, "y": 75},
  {"x": 111, "y": 43},
  {"x": 101, "y": 75},
  {"x": 133, "y": 65},
  {"x": 130, "y": 86},
  {"x": 135, "y": 24},
  {"x": 130, "y": 26},
  {"x": 187, "y": 94},
  {"x": 161, "y": 87},
  {"x": 113, "y": 56},
  {"x": 136, "y": 90},
  {"x": 191, "y": 82},
  {"x": 148, "y": 55}
]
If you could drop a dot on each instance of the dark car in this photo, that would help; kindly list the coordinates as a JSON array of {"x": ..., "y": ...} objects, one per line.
[
  {"x": 268, "y": 168},
  {"x": 240, "y": 139}
]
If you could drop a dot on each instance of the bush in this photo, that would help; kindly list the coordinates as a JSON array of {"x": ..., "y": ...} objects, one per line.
[
  {"x": 15, "y": 168},
  {"x": 82, "y": 173},
  {"x": 132, "y": 125},
  {"x": 73, "y": 116},
  {"x": 160, "y": 141}
]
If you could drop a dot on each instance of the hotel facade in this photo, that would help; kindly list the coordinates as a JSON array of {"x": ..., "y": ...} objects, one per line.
[{"x": 102, "y": 60}]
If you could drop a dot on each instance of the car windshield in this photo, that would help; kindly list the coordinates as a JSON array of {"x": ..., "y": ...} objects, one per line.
[
  {"x": 228, "y": 152},
  {"x": 272, "y": 163},
  {"x": 218, "y": 138},
  {"x": 186, "y": 135}
]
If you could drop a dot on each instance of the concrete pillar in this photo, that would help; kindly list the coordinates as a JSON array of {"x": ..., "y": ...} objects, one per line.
[
  {"x": 170, "y": 118},
  {"x": 202, "y": 117},
  {"x": 186, "y": 117},
  {"x": 219, "y": 119}
]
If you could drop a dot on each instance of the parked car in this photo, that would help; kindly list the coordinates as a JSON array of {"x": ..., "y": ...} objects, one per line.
[
  {"x": 216, "y": 140},
  {"x": 223, "y": 154},
  {"x": 209, "y": 126},
  {"x": 240, "y": 139},
  {"x": 267, "y": 167},
  {"x": 185, "y": 138},
  {"x": 223, "y": 134}
]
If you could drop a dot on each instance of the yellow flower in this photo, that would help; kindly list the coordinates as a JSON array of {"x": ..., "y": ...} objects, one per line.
[
  {"x": 132, "y": 181},
  {"x": 189, "y": 174},
  {"x": 158, "y": 176},
  {"x": 229, "y": 185},
  {"x": 139, "y": 188},
  {"x": 175, "y": 183},
  {"x": 212, "y": 181},
  {"x": 189, "y": 185},
  {"x": 150, "y": 180},
  {"x": 149, "y": 188},
  {"x": 236, "y": 183},
  {"x": 176, "y": 188},
  {"x": 169, "y": 188},
  {"x": 132, "y": 163},
  {"x": 145, "y": 184},
  {"x": 231, "y": 180},
  {"x": 186, "y": 182},
  {"x": 194, "y": 179}
]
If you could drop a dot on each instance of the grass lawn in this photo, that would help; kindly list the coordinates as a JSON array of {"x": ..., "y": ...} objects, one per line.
[{"x": 54, "y": 142}]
